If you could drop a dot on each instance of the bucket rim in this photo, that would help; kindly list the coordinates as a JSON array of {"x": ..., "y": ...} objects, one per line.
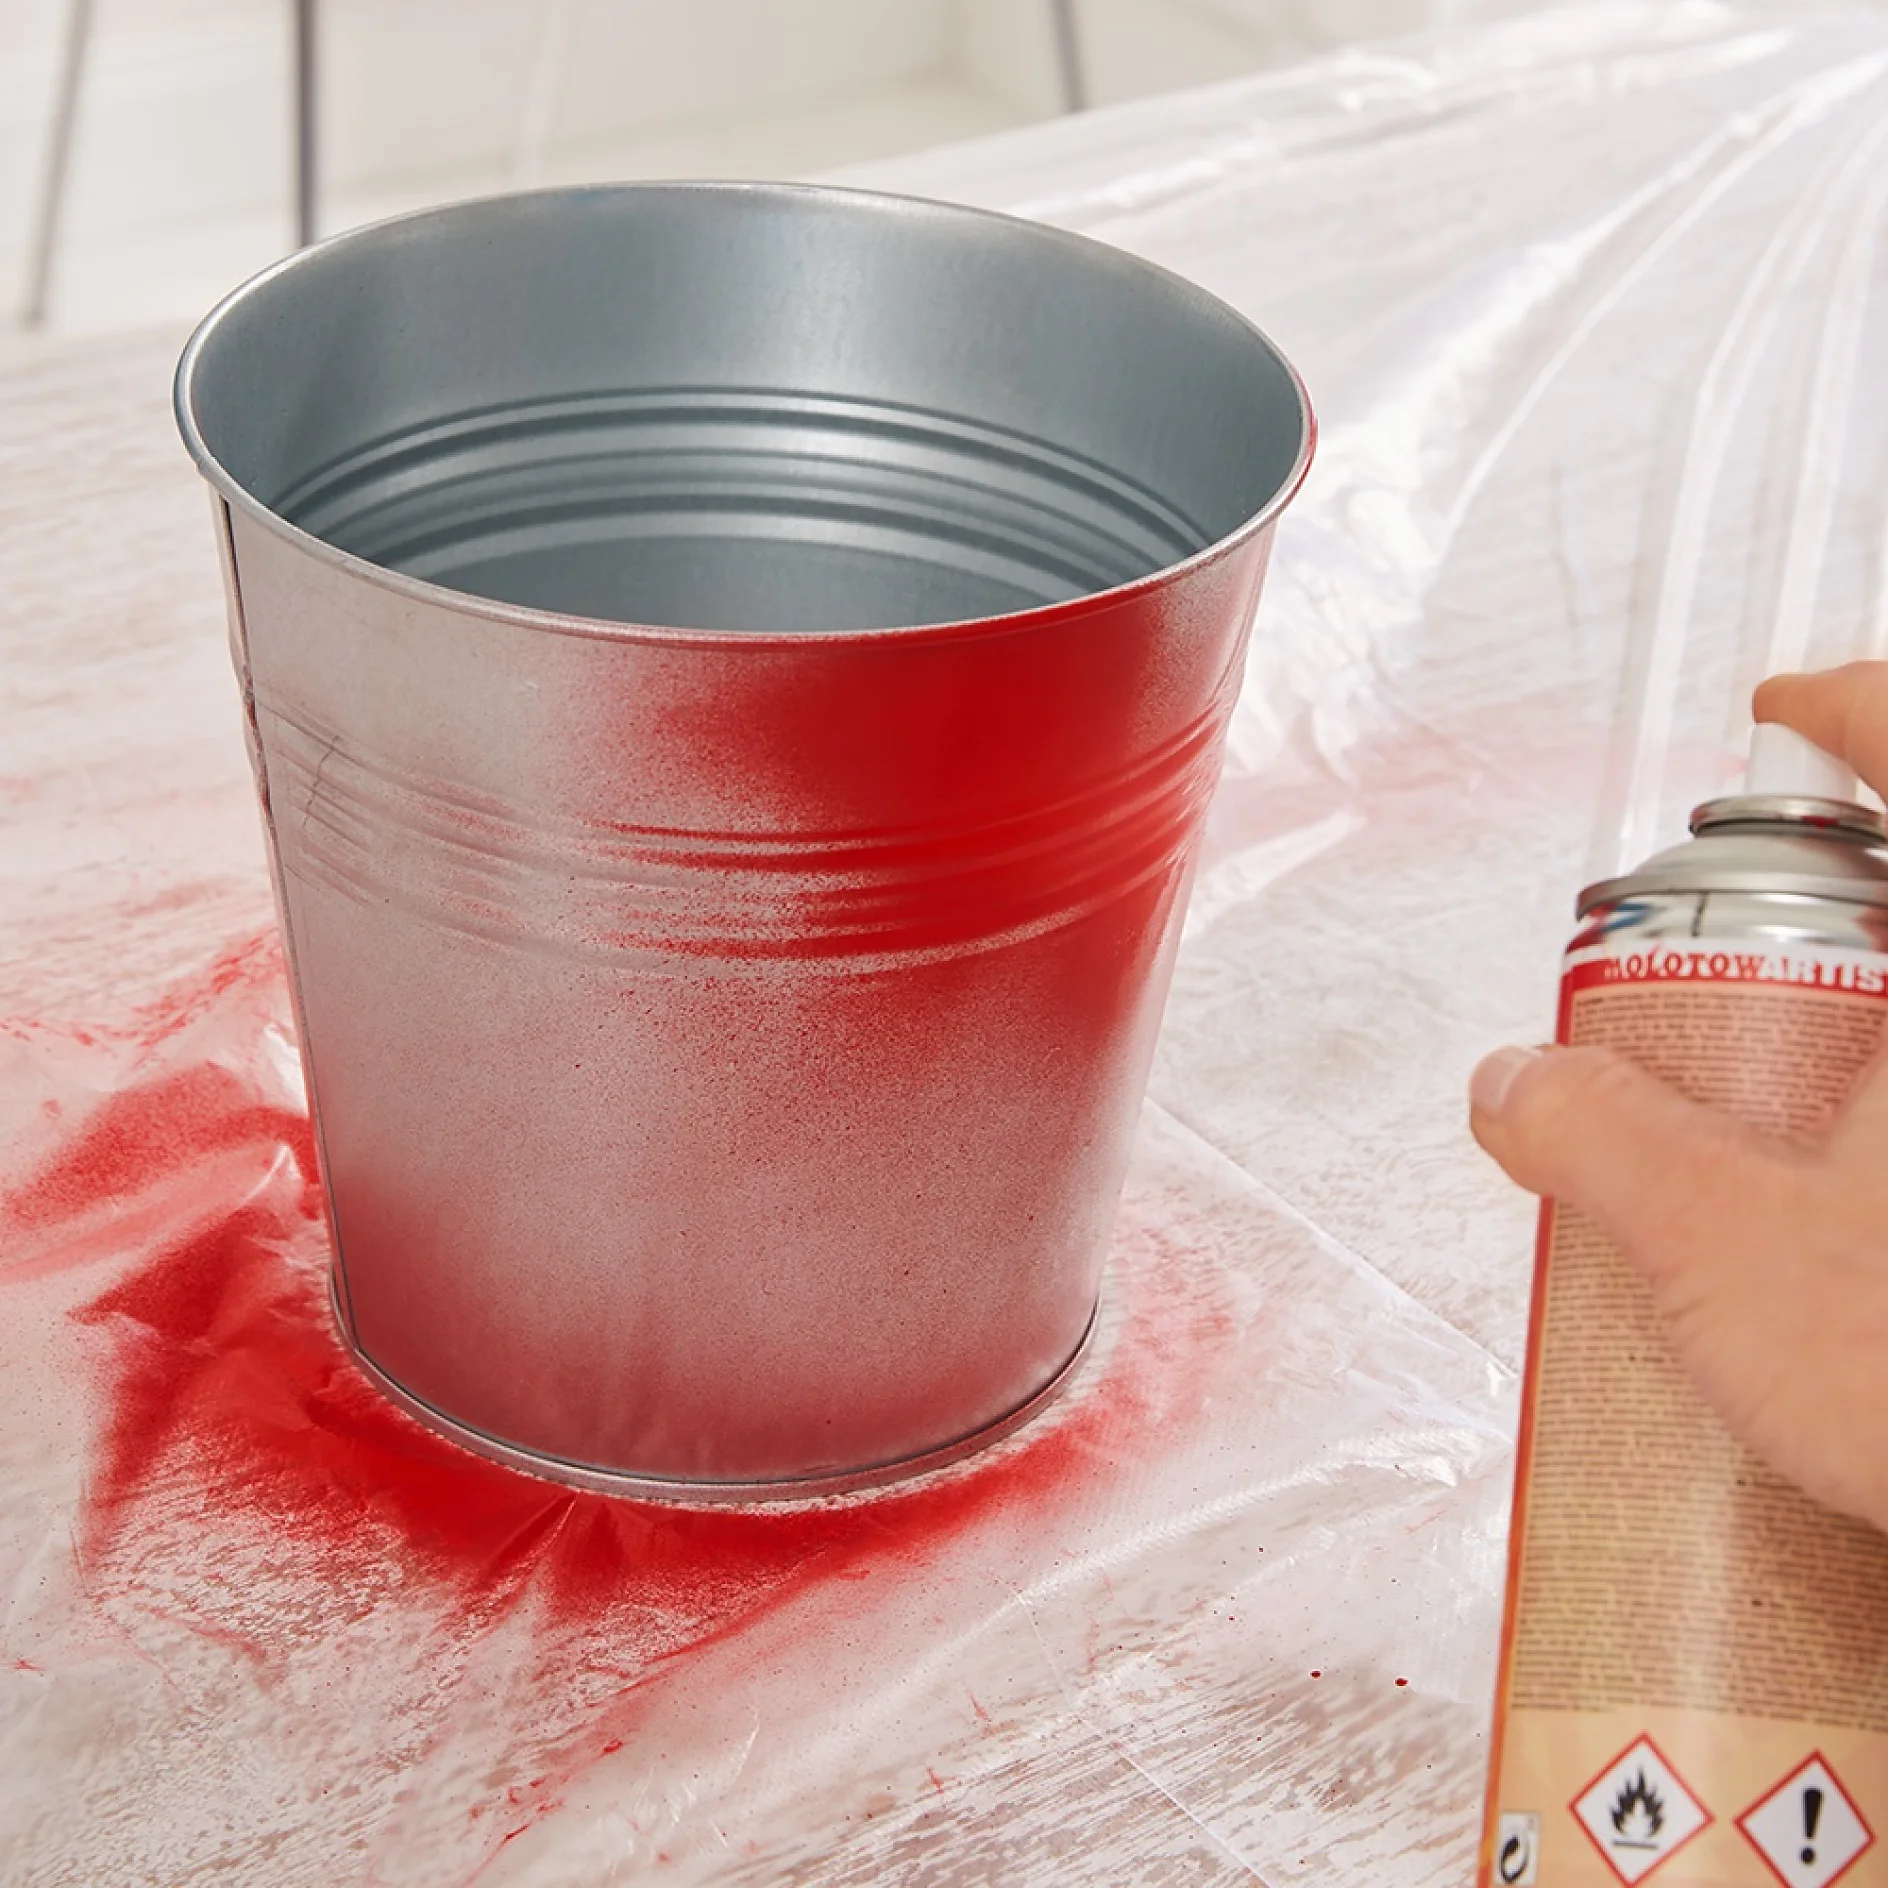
[{"x": 526, "y": 617}]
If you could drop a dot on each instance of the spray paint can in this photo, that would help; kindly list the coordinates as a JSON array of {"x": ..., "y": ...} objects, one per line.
[{"x": 1694, "y": 1659}]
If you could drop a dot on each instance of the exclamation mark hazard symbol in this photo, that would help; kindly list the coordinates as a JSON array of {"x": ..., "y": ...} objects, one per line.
[{"x": 1807, "y": 1828}]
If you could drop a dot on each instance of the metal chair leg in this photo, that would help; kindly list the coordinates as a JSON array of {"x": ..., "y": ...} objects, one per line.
[
  {"x": 306, "y": 220},
  {"x": 1068, "y": 55},
  {"x": 52, "y": 189}
]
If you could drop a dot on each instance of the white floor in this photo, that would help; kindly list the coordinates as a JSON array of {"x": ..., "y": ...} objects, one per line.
[
  {"x": 180, "y": 177},
  {"x": 180, "y": 181}
]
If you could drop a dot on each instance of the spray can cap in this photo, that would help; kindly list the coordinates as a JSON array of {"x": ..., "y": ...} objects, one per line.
[
  {"x": 1783, "y": 763},
  {"x": 1792, "y": 782}
]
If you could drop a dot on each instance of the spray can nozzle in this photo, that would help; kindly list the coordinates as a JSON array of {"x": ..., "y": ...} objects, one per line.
[
  {"x": 1784, "y": 764},
  {"x": 1791, "y": 781}
]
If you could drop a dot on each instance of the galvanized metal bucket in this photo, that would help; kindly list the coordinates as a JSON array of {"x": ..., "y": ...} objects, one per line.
[{"x": 734, "y": 675}]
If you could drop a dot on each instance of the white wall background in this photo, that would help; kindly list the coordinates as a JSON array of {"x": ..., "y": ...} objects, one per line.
[{"x": 180, "y": 182}]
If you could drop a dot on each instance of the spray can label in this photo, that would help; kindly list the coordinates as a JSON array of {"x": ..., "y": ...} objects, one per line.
[{"x": 1694, "y": 1662}]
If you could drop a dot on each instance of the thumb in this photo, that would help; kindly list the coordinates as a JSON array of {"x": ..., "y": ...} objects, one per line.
[
  {"x": 1725, "y": 1227},
  {"x": 1672, "y": 1182}
]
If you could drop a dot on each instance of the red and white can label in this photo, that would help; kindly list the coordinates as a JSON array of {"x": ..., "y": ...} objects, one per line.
[{"x": 1688, "y": 1636}]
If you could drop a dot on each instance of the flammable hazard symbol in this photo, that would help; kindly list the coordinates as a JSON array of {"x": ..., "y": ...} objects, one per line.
[
  {"x": 1638, "y": 1811},
  {"x": 1807, "y": 1829}
]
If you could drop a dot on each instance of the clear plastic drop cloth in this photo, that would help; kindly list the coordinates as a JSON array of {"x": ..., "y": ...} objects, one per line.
[{"x": 1592, "y": 304}]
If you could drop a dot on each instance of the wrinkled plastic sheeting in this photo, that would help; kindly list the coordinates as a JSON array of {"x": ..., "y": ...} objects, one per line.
[{"x": 1584, "y": 303}]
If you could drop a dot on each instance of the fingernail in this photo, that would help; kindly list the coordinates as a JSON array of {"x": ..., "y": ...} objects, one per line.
[{"x": 1494, "y": 1076}]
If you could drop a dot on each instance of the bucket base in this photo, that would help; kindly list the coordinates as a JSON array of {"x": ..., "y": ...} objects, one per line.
[{"x": 686, "y": 1493}]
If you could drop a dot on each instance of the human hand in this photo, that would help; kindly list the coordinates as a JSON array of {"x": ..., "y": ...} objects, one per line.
[{"x": 1768, "y": 1258}]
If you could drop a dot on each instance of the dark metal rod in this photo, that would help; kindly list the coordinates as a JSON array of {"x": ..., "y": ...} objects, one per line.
[
  {"x": 1068, "y": 55},
  {"x": 52, "y": 190},
  {"x": 306, "y": 145}
]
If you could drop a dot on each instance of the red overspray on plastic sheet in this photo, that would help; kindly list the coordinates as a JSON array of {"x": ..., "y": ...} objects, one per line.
[
  {"x": 223, "y": 1358},
  {"x": 232, "y": 1412}
]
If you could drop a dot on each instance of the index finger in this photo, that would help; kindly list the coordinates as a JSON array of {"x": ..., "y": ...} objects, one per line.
[{"x": 1844, "y": 711}]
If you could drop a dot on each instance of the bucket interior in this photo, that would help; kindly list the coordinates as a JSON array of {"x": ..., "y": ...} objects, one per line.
[{"x": 743, "y": 408}]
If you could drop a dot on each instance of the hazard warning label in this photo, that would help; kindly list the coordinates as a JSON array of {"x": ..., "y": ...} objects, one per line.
[
  {"x": 1807, "y": 1828},
  {"x": 1638, "y": 1812}
]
